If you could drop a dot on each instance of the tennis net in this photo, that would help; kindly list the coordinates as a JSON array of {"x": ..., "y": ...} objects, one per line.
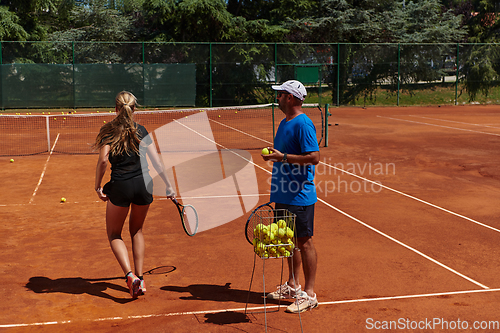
[{"x": 238, "y": 127}]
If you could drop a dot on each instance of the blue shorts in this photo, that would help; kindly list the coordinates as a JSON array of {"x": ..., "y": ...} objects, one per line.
[
  {"x": 304, "y": 220},
  {"x": 124, "y": 192}
]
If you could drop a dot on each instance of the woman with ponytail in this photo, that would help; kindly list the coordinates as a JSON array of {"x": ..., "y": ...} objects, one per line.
[{"x": 121, "y": 142}]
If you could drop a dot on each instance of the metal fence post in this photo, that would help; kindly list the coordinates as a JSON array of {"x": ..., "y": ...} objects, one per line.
[
  {"x": 1, "y": 74},
  {"x": 74, "y": 83},
  {"x": 210, "y": 65},
  {"x": 399, "y": 69},
  {"x": 338, "y": 74},
  {"x": 456, "y": 74},
  {"x": 143, "y": 77}
]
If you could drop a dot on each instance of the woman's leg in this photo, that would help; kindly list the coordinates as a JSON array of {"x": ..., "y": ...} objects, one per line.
[
  {"x": 136, "y": 221},
  {"x": 115, "y": 218}
]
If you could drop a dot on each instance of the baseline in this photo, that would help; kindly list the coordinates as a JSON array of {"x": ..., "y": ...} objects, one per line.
[{"x": 189, "y": 313}]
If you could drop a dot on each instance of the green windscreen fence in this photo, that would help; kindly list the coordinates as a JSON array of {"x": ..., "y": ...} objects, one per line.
[
  {"x": 89, "y": 74},
  {"x": 96, "y": 85},
  {"x": 308, "y": 74},
  {"x": 170, "y": 84}
]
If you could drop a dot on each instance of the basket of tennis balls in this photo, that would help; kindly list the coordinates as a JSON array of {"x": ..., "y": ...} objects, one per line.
[{"x": 275, "y": 237}]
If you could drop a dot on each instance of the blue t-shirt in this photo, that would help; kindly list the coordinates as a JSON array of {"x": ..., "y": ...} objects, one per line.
[{"x": 293, "y": 184}]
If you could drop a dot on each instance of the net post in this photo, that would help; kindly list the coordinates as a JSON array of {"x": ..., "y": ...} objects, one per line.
[
  {"x": 48, "y": 132},
  {"x": 327, "y": 114}
]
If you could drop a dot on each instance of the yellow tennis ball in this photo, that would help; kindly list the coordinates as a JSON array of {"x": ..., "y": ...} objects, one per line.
[
  {"x": 11, "y": 160},
  {"x": 63, "y": 199},
  {"x": 265, "y": 151},
  {"x": 281, "y": 233}
]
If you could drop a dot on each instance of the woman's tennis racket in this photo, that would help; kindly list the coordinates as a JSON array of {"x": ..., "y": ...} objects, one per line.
[
  {"x": 189, "y": 217},
  {"x": 264, "y": 210}
]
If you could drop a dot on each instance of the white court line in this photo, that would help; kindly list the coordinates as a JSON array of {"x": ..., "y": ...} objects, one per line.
[
  {"x": 442, "y": 126},
  {"x": 404, "y": 245},
  {"x": 218, "y": 144},
  {"x": 485, "y": 288},
  {"x": 380, "y": 232},
  {"x": 44, "y": 168},
  {"x": 194, "y": 313},
  {"x": 220, "y": 196},
  {"x": 456, "y": 122},
  {"x": 414, "y": 198},
  {"x": 237, "y": 130}
]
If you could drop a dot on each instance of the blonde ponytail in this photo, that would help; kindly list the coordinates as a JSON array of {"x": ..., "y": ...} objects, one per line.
[{"x": 120, "y": 133}]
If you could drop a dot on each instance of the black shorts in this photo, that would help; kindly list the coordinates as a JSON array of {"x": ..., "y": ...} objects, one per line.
[
  {"x": 304, "y": 220},
  {"x": 124, "y": 192}
]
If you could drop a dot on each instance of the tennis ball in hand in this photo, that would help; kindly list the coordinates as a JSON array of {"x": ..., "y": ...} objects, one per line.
[{"x": 265, "y": 151}]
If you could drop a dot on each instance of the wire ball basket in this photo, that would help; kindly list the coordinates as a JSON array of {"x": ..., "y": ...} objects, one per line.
[{"x": 274, "y": 233}]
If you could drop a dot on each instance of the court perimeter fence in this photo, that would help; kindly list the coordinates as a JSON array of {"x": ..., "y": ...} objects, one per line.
[{"x": 89, "y": 74}]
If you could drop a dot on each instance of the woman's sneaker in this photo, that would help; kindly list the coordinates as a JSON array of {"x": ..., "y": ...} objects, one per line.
[
  {"x": 142, "y": 287},
  {"x": 284, "y": 292},
  {"x": 303, "y": 302},
  {"x": 134, "y": 284}
]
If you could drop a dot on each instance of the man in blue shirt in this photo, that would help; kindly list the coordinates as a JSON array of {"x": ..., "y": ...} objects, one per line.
[{"x": 295, "y": 154}]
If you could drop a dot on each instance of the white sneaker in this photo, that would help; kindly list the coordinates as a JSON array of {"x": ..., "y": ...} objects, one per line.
[
  {"x": 284, "y": 292},
  {"x": 303, "y": 302}
]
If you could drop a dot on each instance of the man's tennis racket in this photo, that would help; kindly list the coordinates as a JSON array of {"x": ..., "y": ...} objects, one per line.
[
  {"x": 265, "y": 210},
  {"x": 189, "y": 217}
]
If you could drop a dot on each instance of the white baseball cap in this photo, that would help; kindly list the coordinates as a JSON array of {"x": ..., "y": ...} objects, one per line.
[{"x": 293, "y": 87}]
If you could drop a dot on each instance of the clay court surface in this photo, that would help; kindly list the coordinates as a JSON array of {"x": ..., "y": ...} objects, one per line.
[{"x": 421, "y": 251}]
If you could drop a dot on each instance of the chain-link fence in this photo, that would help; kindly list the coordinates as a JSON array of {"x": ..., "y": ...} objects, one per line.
[{"x": 89, "y": 74}]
